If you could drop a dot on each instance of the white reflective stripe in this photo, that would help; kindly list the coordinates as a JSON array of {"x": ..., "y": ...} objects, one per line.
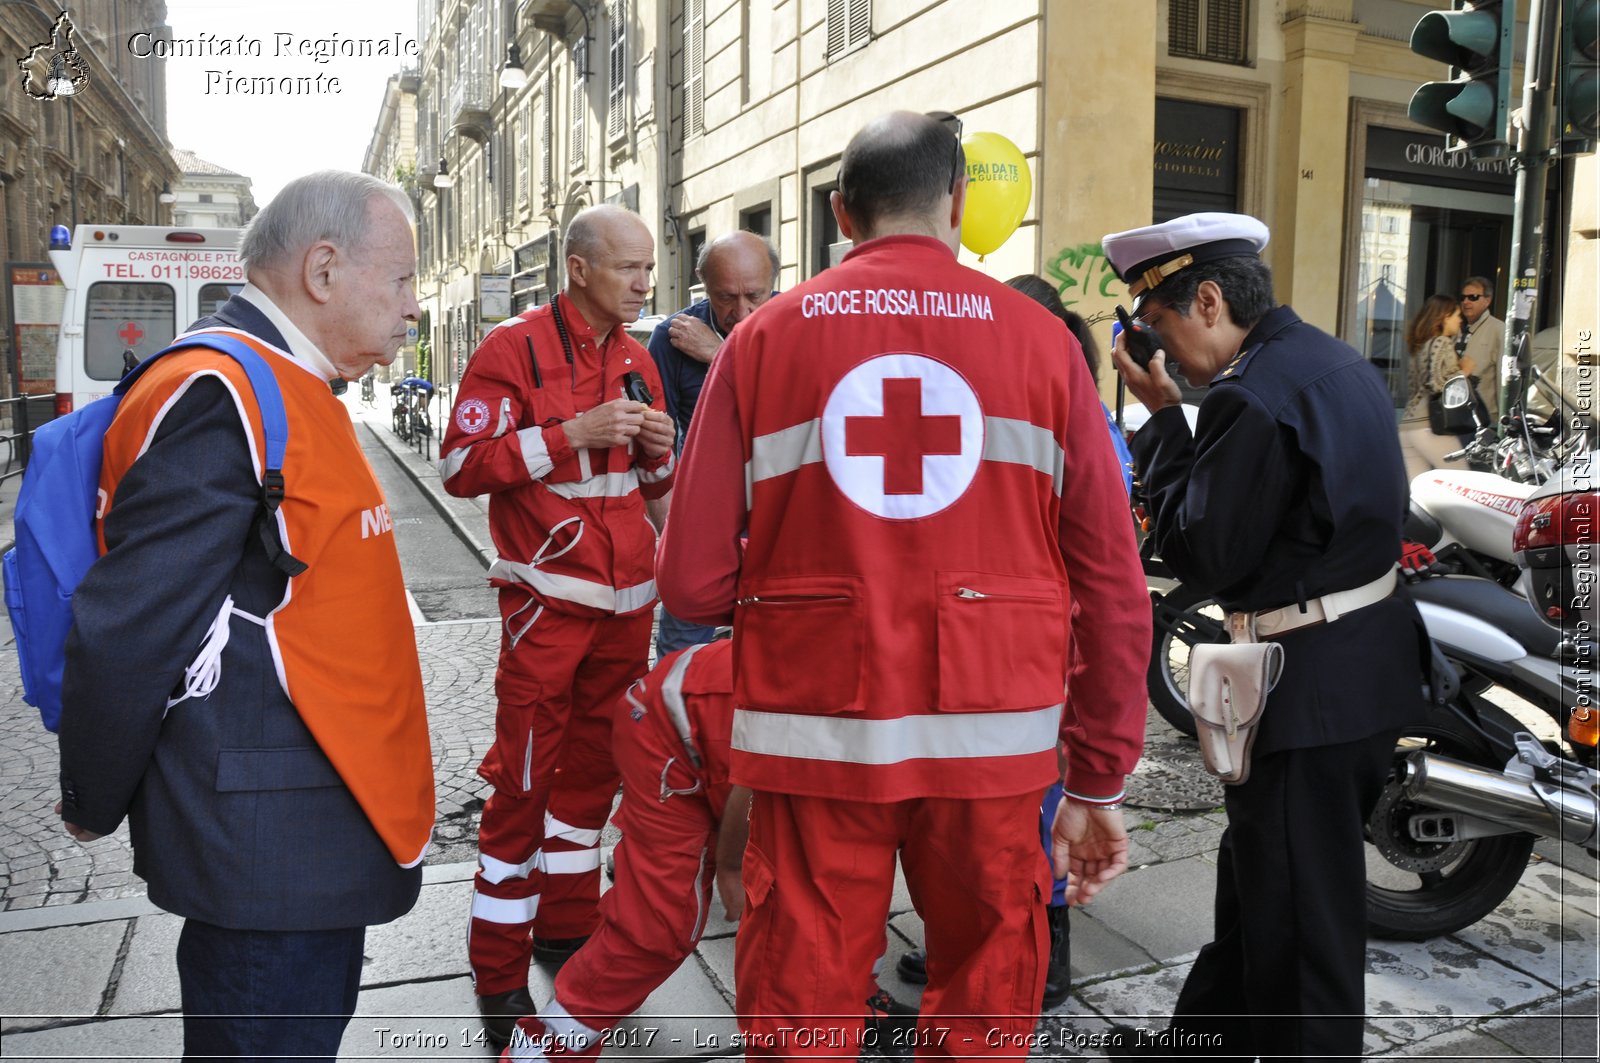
[
  {"x": 1005, "y": 439},
  {"x": 504, "y": 422},
  {"x": 497, "y": 871},
  {"x": 606, "y": 485},
  {"x": 585, "y": 468},
  {"x": 1023, "y": 443},
  {"x": 452, "y": 462},
  {"x": 940, "y": 736},
  {"x": 576, "y": 862},
  {"x": 556, "y": 829},
  {"x": 205, "y": 671},
  {"x": 560, "y": 1028},
  {"x": 784, "y": 451},
  {"x": 575, "y": 590},
  {"x": 672, "y": 698},
  {"x": 535, "y": 455},
  {"x": 505, "y": 910},
  {"x": 655, "y": 476}
]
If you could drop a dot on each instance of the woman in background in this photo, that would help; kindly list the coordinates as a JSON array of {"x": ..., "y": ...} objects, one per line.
[{"x": 1431, "y": 338}]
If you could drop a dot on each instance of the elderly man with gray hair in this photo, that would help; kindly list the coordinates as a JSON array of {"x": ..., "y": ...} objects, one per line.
[
  {"x": 283, "y": 803},
  {"x": 739, "y": 271},
  {"x": 559, "y": 420}
]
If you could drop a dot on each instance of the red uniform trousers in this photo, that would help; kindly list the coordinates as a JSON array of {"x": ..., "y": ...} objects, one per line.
[
  {"x": 551, "y": 766},
  {"x": 655, "y": 912},
  {"x": 818, "y": 874}
]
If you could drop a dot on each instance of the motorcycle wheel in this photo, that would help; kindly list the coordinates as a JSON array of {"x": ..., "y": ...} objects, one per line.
[
  {"x": 1183, "y": 617},
  {"x": 1421, "y": 890}
]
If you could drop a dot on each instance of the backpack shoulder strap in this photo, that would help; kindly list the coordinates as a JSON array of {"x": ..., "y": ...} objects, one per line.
[{"x": 274, "y": 423}]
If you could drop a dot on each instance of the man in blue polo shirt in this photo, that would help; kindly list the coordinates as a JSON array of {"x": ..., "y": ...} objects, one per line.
[{"x": 739, "y": 271}]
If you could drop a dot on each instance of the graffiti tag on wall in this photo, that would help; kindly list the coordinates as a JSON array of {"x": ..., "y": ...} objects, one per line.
[{"x": 1082, "y": 272}]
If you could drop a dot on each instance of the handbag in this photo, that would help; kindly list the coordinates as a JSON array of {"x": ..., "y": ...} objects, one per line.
[
  {"x": 1228, "y": 687},
  {"x": 1452, "y": 418}
]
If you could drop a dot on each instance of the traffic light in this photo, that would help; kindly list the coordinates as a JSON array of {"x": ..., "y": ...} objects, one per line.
[
  {"x": 1578, "y": 79},
  {"x": 1475, "y": 39}
]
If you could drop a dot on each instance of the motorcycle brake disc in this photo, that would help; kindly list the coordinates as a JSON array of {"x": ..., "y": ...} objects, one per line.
[{"x": 1390, "y": 837}]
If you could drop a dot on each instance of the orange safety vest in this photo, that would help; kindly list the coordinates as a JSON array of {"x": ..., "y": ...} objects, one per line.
[{"x": 365, "y": 711}]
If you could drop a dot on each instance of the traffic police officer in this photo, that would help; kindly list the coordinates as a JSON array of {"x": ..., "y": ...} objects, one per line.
[{"x": 1286, "y": 502}]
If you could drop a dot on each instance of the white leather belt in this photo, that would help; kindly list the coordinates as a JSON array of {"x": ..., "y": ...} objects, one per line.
[{"x": 1324, "y": 610}]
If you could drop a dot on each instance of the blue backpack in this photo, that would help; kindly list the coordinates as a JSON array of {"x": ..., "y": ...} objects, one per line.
[{"x": 55, "y": 517}]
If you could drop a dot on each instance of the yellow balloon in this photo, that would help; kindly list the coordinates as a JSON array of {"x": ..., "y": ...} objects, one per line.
[{"x": 999, "y": 189}]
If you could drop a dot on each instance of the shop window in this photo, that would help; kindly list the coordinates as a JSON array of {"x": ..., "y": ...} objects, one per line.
[{"x": 1208, "y": 29}]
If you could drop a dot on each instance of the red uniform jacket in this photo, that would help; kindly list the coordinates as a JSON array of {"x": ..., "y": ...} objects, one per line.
[
  {"x": 570, "y": 525},
  {"x": 921, "y": 461}
]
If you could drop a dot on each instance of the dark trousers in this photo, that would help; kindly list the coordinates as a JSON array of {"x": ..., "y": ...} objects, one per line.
[
  {"x": 1284, "y": 976},
  {"x": 277, "y": 993}
]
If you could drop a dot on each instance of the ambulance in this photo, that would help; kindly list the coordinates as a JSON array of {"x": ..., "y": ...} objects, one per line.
[{"x": 129, "y": 290}]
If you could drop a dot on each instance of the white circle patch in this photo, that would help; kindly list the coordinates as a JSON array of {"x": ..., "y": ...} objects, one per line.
[
  {"x": 902, "y": 436},
  {"x": 472, "y": 416}
]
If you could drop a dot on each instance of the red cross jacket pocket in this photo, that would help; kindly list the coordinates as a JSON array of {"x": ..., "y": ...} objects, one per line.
[
  {"x": 1002, "y": 642},
  {"x": 800, "y": 645}
]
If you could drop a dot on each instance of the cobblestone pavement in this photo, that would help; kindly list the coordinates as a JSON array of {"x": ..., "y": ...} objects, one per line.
[{"x": 41, "y": 866}]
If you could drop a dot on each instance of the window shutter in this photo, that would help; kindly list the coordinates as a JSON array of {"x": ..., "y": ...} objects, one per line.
[
  {"x": 694, "y": 66},
  {"x": 617, "y": 81},
  {"x": 580, "y": 101}
]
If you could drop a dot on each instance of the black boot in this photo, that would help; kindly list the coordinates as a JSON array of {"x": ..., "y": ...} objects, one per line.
[
  {"x": 1058, "y": 971},
  {"x": 913, "y": 967},
  {"x": 501, "y": 1011}
]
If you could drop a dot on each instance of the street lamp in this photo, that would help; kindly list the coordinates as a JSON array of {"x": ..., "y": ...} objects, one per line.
[
  {"x": 442, "y": 179},
  {"x": 166, "y": 194},
  {"x": 512, "y": 76}
]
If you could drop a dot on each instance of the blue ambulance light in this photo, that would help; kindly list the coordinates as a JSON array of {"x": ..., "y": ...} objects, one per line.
[{"x": 60, "y": 238}]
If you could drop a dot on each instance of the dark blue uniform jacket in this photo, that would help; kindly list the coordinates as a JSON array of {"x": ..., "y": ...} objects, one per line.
[{"x": 1292, "y": 486}]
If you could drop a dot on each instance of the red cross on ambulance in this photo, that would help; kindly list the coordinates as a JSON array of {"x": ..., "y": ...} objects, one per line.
[{"x": 902, "y": 436}]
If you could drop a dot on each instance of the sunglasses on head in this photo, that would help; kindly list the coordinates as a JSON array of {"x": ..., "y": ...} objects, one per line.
[{"x": 952, "y": 123}]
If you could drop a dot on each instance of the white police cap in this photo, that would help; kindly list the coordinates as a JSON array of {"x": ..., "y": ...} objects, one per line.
[{"x": 1146, "y": 256}]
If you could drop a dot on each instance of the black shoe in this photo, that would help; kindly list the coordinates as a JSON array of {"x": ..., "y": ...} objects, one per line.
[
  {"x": 501, "y": 1011},
  {"x": 913, "y": 967},
  {"x": 1058, "y": 971},
  {"x": 556, "y": 950}
]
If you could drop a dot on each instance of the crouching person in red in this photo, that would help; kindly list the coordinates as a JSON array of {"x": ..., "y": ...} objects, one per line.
[{"x": 682, "y": 825}]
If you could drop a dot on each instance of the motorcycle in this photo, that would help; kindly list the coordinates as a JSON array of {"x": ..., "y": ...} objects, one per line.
[
  {"x": 1465, "y": 518},
  {"x": 1472, "y": 789}
]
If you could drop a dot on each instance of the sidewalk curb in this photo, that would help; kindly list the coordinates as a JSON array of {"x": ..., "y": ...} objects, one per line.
[{"x": 425, "y": 475}]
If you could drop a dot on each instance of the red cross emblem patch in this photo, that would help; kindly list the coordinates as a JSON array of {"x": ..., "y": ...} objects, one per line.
[
  {"x": 472, "y": 416},
  {"x": 902, "y": 435}
]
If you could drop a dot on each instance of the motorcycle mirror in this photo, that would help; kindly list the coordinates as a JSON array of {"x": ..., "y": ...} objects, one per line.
[{"x": 1457, "y": 393}]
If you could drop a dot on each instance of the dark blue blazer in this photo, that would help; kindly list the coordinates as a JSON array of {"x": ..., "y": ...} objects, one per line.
[
  {"x": 237, "y": 817},
  {"x": 1292, "y": 487}
]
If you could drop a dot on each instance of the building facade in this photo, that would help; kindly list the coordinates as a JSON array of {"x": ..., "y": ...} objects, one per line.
[
  {"x": 209, "y": 196},
  {"x": 96, "y": 153},
  {"x": 733, "y": 114},
  {"x": 501, "y": 170}
]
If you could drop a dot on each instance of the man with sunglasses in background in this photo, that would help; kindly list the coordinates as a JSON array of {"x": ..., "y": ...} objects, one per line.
[{"x": 1482, "y": 337}]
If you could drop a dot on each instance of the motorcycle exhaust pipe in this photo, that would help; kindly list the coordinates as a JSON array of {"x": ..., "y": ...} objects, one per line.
[{"x": 1509, "y": 800}]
